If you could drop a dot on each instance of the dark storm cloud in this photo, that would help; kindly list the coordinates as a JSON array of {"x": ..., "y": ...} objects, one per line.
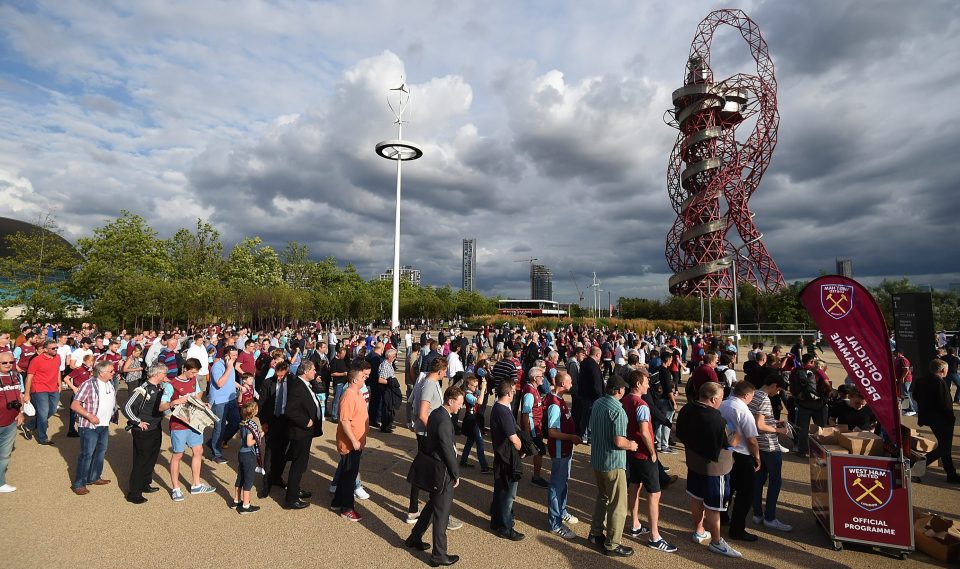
[{"x": 542, "y": 132}]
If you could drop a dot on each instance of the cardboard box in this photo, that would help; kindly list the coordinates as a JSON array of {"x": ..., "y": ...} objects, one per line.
[
  {"x": 827, "y": 435},
  {"x": 922, "y": 444},
  {"x": 861, "y": 443},
  {"x": 835, "y": 449},
  {"x": 944, "y": 549}
]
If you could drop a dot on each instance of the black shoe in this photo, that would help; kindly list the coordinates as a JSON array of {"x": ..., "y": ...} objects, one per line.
[
  {"x": 619, "y": 551},
  {"x": 298, "y": 505},
  {"x": 27, "y": 434},
  {"x": 511, "y": 534},
  {"x": 151, "y": 489},
  {"x": 743, "y": 536},
  {"x": 416, "y": 544},
  {"x": 466, "y": 465},
  {"x": 250, "y": 509},
  {"x": 445, "y": 562},
  {"x": 264, "y": 491},
  {"x": 538, "y": 481},
  {"x": 375, "y": 424},
  {"x": 386, "y": 431},
  {"x": 953, "y": 478},
  {"x": 73, "y": 435},
  {"x": 486, "y": 470},
  {"x": 305, "y": 494},
  {"x": 279, "y": 483},
  {"x": 46, "y": 443},
  {"x": 136, "y": 499},
  {"x": 597, "y": 541}
]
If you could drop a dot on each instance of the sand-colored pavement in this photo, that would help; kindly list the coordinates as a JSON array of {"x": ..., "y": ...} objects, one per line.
[{"x": 46, "y": 526}]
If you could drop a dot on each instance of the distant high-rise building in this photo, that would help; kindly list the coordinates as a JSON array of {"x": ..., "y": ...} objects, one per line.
[
  {"x": 541, "y": 282},
  {"x": 469, "y": 264},
  {"x": 407, "y": 273},
  {"x": 845, "y": 268}
]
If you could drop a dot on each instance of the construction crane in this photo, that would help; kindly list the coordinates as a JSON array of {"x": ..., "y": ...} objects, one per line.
[{"x": 579, "y": 290}]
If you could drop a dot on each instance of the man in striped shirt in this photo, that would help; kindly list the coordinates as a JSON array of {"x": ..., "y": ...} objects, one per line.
[
  {"x": 94, "y": 403},
  {"x": 608, "y": 457}
]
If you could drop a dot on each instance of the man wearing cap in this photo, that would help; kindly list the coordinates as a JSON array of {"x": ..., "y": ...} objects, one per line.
[
  {"x": 11, "y": 414},
  {"x": 609, "y": 443},
  {"x": 144, "y": 410}
]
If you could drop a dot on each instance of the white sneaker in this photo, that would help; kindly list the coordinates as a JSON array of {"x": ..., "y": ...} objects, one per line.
[
  {"x": 784, "y": 449},
  {"x": 758, "y": 520},
  {"x": 909, "y": 413},
  {"x": 6, "y": 489},
  {"x": 777, "y": 525},
  {"x": 701, "y": 538},
  {"x": 723, "y": 549},
  {"x": 360, "y": 493},
  {"x": 454, "y": 524},
  {"x": 570, "y": 518},
  {"x": 333, "y": 488},
  {"x": 412, "y": 517}
]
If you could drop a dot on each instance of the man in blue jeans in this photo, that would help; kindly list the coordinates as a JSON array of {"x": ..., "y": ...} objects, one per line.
[
  {"x": 338, "y": 375},
  {"x": 42, "y": 388},
  {"x": 561, "y": 438},
  {"x": 503, "y": 430},
  {"x": 771, "y": 457},
  {"x": 95, "y": 403},
  {"x": 222, "y": 398},
  {"x": 11, "y": 415}
]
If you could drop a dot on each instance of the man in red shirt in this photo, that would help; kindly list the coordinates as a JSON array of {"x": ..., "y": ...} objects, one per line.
[
  {"x": 642, "y": 464},
  {"x": 245, "y": 362},
  {"x": 112, "y": 355},
  {"x": 42, "y": 389},
  {"x": 702, "y": 374}
]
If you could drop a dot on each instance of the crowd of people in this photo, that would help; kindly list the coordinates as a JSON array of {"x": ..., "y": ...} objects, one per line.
[{"x": 273, "y": 391}]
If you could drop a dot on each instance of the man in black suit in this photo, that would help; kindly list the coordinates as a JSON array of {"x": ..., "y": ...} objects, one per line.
[
  {"x": 590, "y": 388},
  {"x": 303, "y": 423},
  {"x": 439, "y": 446},
  {"x": 273, "y": 400}
]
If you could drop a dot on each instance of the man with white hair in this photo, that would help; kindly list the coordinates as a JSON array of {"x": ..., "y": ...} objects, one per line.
[
  {"x": 390, "y": 389},
  {"x": 144, "y": 410},
  {"x": 95, "y": 403}
]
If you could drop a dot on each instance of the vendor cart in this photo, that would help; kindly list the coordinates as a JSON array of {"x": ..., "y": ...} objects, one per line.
[{"x": 862, "y": 499}]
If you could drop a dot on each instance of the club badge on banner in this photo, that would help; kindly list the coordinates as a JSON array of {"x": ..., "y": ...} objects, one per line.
[{"x": 849, "y": 318}]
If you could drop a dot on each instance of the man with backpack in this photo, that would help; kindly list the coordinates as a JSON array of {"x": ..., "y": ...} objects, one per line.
[{"x": 810, "y": 389}]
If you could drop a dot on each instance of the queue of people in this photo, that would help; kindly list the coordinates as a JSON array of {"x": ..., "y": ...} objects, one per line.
[{"x": 273, "y": 392}]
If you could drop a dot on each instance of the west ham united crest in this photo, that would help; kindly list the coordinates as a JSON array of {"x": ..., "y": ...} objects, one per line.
[
  {"x": 836, "y": 300},
  {"x": 870, "y": 488}
]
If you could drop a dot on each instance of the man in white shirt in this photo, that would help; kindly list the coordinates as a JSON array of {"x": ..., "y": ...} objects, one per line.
[
  {"x": 76, "y": 357},
  {"x": 64, "y": 351},
  {"x": 199, "y": 350},
  {"x": 746, "y": 456}
]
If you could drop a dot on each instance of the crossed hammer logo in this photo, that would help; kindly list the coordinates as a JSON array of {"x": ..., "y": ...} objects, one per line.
[
  {"x": 836, "y": 304},
  {"x": 877, "y": 485}
]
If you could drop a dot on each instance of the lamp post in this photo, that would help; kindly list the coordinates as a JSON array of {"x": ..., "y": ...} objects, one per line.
[
  {"x": 736, "y": 318},
  {"x": 399, "y": 151}
]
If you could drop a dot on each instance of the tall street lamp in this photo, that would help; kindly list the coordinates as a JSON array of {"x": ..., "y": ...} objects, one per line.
[
  {"x": 399, "y": 151},
  {"x": 733, "y": 267}
]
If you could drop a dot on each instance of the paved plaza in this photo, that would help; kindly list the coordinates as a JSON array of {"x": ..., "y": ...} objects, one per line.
[{"x": 47, "y": 526}]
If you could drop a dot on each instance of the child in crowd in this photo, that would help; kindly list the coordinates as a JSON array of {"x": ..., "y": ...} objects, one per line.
[
  {"x": 247, "y": 391},
  {"x": 250, "y": 457}
]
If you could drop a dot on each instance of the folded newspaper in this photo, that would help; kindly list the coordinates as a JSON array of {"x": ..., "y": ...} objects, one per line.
[{"x": 196, "y": 414}]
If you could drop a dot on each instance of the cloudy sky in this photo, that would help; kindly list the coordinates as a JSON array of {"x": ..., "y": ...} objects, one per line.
[{"x": 541, "y": 124}]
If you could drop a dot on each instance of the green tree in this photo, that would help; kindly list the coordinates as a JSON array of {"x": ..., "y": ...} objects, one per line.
[
  {"x": 33, "y": 276},
  {"x": 298, "y": 269},
  {"x": 195, "y": 255},
  {"x": 126, "y": 246},
  {"x": 252, "y": 264}
]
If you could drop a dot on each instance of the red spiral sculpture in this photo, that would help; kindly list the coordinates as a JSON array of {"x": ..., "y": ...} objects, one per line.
[{"x": 708, "y": 162}]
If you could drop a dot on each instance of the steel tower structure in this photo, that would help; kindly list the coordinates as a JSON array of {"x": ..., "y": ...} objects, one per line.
[{"x": 709, "y": 163}]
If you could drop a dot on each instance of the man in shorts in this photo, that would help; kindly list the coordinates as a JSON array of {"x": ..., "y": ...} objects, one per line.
[
  {"x": 175, "y": 392},
  {"x": 703, "y": 432},
  {"x": 642, "y": 471}
]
